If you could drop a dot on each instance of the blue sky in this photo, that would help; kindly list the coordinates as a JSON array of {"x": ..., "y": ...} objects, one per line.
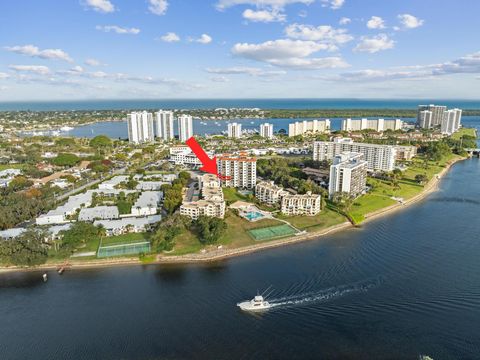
[{"x": 107, "y": 49}]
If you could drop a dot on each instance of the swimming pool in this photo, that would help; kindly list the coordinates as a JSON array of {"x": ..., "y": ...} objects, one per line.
[{"x": 253, "y": 215}]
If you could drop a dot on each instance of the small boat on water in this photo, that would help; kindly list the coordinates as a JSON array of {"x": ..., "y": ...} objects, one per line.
[
  {"x": 258, "y": 303},
  {"x": 45, "y": 277}
]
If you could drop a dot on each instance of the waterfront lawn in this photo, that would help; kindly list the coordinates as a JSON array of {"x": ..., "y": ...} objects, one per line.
[
  {"x": 186, "y": 243},
  {"x": 464, "y": 132},
  {"x": 325, "y": 219},
  {"x": 382, "y": 192},
  {"x": 236, "y": 234}
]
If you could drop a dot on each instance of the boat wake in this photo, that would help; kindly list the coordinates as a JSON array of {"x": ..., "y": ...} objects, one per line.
[{"x": 325, "y": 294}]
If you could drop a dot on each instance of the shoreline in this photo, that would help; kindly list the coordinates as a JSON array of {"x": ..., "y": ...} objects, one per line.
[{"x": 225, "y": 253}]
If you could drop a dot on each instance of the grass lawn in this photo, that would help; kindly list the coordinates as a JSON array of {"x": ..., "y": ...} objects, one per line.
[
  {"x": 231, "y": 195},
  {"x": 236, "y": 234},
  {"x": 186, "y": 243},
  {"x": 323, "y": 220},
  {"x": 13, "y": 166},
  {"x": 462, "y": 132},
  {"x": 380, "y": 196}
]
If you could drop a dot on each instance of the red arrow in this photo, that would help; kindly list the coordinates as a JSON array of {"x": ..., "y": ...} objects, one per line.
[{"x": 209, "y": 165}]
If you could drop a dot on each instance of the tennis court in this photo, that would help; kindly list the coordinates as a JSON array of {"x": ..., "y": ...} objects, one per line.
[
  {"x": 272, "y": 232},
  {"x": 123, "y": 249}
]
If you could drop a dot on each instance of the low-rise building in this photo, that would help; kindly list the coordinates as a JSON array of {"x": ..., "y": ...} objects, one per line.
[
  {"x": 147, "y": 203},
  {"x": 98, "y": 213},
  {"x": 308, "y": 204},
  {"x": 405, "y": 152},
  {"x": 128, "y": 225},
  {"x": 112, "y": 183},
  {"x": 269, "y": 193}
]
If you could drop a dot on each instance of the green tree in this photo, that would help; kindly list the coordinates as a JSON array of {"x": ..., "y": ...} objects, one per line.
[
  {"x": 210, "y": 229},
  {"x": 101, "y": 141},
  {"x": 66, "y": 159},
  {"x": 19, "y": 183},
  {"x": 421, "y": 178},
  {"x": 28, "y": 249},
  {"x": 80, "y": 233}
]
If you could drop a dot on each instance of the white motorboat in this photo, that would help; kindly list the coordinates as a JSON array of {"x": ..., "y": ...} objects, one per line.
[{"x": 258, "y": 303}]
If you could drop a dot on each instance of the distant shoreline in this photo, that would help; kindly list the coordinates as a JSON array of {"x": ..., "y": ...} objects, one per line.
[{"x": 225, "y": 253}]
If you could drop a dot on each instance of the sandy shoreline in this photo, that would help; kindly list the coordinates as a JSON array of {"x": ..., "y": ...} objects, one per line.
[{"x": 225, "y": 253}]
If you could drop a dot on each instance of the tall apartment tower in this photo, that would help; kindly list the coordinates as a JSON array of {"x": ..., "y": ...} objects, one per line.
[
  {"x": 437, "y": 113},
  {"x": 266, "y": 130},
  {"x": 140, "y": 127},
  {"x": 185, "y": 127},
  {"x": 237, "y": 171},
  {"x": 234, "y": 130},
  {"x": 348, "y": 174},
  {"x": 451, "y": 121},
  {"x": 378, "y": 125},
  {"x": 308, "y": 127},
  {"x": 164, "y": 125},
  {"x": 425, "y": 119},
  {"x": 378, "y": 157}
]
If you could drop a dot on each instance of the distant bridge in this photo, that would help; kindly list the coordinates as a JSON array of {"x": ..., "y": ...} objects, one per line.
[{"x": 473, "y": 152}]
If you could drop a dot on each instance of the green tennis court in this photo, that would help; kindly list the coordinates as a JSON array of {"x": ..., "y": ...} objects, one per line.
[
  {"x": 272, "y": 232},
  {"x": 123, "y": 249}
]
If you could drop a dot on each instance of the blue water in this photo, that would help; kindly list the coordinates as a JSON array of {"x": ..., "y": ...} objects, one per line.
[
  {"x": 253, "y": 215},
  {"x": 239, "y": 103},
  {"x": 400, "y": 286},
  {"x": 115, "y": 129}
]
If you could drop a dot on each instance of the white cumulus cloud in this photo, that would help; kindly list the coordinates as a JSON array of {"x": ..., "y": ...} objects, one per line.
[
  {"x": 118, "y": 29},
  {"x": 374, "y": 44},
  {"x": 34, "y": 51},
  {"x": 104, "y": 6},
  {"x": 203, "y": 39},
  {"x": 170, "y": 37},
  {"x": 409, "y": 21},
  {"x": 325, "y": 34},
  {"x": 266, "y": 16},
  {"x": 278, "y": 4},
  {"x": 4, "y": 75},
  {"x": 345, "y": 21},
  {"x": 37, "y": 69},
  {"x": 288, "y": 53},
  {"x": 158, "y": 7},
  {"x": 333, "y": 4},
  {"x": 376, "y": 22}
]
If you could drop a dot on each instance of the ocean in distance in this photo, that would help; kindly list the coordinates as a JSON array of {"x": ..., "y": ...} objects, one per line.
[{"x": 235, "y": 103}]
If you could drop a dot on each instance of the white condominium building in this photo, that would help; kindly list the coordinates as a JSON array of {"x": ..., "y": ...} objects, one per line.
[
  {"x": 405, "y": 152},
  {"x": 379, "y": 125},
  {"x": 451, "y": 121},
  {"x": 195, "y": 209},
  {"x": 308, "y": 204},
  {"x": 266, "y": 130},
  {"x": 183, "y": 155},
  {"x": 212, "y": 203},
  {"x": 311, "y": 127},
  {"x": 425, "y": 119},
  {"x": 237, "y": 171},
  {"x": 140, "y": 127},
  {"x": 185, "y": 127},
  {"x": 378, "y": 157},
  {"x": 348, "y": 174},
  {"x": 437, "y": 114},
  {"x": 164, "y": 125},
  {"x": 269, "y": 193},
  {"x": 234, "y": 130}
]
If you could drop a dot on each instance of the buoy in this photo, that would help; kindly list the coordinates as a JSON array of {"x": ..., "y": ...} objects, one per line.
[{"x": 45, "y": 277}]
